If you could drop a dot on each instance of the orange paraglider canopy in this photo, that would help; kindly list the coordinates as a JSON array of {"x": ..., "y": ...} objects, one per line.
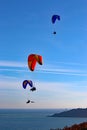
[{"x": 32, "y": 60}]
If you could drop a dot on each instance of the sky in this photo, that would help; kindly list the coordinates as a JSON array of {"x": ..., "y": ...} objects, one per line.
[{"x": 26, "y": 28}]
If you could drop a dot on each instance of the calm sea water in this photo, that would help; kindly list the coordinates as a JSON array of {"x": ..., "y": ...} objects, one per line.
[{"x": 20, "y": 119}]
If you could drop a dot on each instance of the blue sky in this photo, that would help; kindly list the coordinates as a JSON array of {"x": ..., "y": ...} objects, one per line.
[{"x": 25, "y": 28}]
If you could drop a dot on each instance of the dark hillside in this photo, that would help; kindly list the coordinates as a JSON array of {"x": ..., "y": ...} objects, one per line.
[{"x": 72, "y": 113}]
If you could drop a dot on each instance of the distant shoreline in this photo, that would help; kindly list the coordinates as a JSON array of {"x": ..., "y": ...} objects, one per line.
[{"x": 75, "y": 113}]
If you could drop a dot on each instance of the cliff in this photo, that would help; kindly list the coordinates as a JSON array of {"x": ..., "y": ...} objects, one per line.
[{"x": 81, "y": 126}]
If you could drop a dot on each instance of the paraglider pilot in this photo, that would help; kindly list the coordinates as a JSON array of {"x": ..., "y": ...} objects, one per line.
[
  {"x": 28, "y": 101},
  {"x": 54, "y": 32},
  {"x": 33, "y": 89}
]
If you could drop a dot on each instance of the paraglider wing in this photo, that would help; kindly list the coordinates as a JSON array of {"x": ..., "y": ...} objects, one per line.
[
  {"x": 25, "y": 82},
  {"x": 39, "y": 59},
  {"x": 30, "y": 83},
  {"x": 54, "y": 17},
  {"x": 32, "y": 60}
]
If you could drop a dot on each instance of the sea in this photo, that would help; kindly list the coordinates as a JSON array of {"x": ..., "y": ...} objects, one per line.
[{"x": 34, "y": 119}]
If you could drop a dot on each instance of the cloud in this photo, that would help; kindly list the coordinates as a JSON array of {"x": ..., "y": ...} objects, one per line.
[
  {"x": 14, "y": 83},
  {"x": 10, "y": 83},
  {"x": 72, "y": 63},
  {"x": 12, "y": 64},
  {"x": 61, "y": 94},
  {"x": 63, "y": 71},
  {"x": 50, "y": 69},
  {"x": 10, "y": 69}
]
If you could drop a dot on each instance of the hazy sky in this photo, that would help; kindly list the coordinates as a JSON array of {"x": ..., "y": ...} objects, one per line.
[{"x": 25, "y": 28}]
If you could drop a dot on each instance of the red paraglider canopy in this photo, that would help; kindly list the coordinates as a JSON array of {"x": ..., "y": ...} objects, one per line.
[{"x": 33, "y": 59}]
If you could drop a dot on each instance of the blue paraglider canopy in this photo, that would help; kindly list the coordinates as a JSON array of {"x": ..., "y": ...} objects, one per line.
[
  {"x": 54, "y": 17},
  {"x": 25, "y": 82}
]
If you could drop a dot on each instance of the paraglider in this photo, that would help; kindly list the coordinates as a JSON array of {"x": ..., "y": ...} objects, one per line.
[
  {"x": 25, "y": 82},
  {"x": 29, "y": 101},
  {"x": 54, "y": 18},
  {"x": 30, "y": 83},
  {"x": 32, "y": 60}
]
